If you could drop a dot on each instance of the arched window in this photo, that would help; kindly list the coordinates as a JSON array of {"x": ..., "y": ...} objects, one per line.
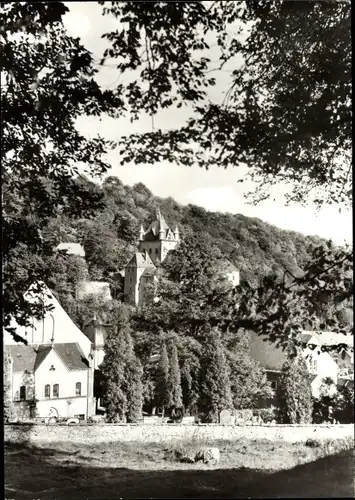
[
  {"x": 56, "y": 391},
  {"x": 78, "y": 389},
  {"x": 22, "y": 393},
  {"x": 47, "y": 391}
]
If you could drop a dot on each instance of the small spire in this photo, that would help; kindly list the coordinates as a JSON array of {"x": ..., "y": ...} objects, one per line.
[
  {"x": 141, "y": 233},
  {"x": 176, "y": 233}
]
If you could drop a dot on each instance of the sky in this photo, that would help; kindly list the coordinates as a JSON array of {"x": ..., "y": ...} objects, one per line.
[{"x": 216, "y": 189}]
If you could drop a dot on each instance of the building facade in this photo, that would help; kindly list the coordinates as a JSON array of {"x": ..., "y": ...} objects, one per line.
[
  {"x": 154, "y": 245},
  {"x": 53, "y": 375}
]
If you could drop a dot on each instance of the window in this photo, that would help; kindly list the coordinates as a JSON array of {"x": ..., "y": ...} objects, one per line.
[
  {"x": 22, "y": 393},
  {"x": 156, "y": 251},
  {"x": 150, "y": 251},
  {"x": 56, "y": 391},
  {"x": 78, "y": 389},
  {"x": 47, "y": 391},
  {"x": 313, "y": 365},
  {"x": 274, "y": 385}
]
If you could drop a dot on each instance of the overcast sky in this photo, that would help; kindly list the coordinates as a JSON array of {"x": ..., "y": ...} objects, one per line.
[{"x": 216, "y": 189}]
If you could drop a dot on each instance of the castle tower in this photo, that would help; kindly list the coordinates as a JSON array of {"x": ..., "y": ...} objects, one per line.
[
  {"x": 158, "y": 239},
  {"x": 154, "y": 245}
]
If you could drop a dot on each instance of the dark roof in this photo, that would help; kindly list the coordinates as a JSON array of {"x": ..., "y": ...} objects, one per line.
[
  {"x": 30, "y": 357},
  {"x": 23, "y": 357},
  {"x": 156, "y": 227},
  {"x": 305, "y": 336},
  {"x": 42, "y": 353},
  {"x": 72, "y": 356},
  {"x": 141, "y": 259},
  {"x": 266, "y": 353}
]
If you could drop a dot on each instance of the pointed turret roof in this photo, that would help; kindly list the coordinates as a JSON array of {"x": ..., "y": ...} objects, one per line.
[
  {"x": 156, "y": 227},
  {"x": 140, "y": 259}
]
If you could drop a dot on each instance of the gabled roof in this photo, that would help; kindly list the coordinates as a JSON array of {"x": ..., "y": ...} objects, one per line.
[
  {"x": 65, "y": 330},
  {"x": 42, "y": 352},
  {"x": 23, "y": 357},
  {"x": 266, "y": 353},
  {"x": 156, "y": 227},
  {"x": 72, "y": 356},
  {"x": 307, "y": 336},
  {"x": 30, "y": 357},
  {"x": 141, "y": 259},
  {"x": 72, "y": 249}
]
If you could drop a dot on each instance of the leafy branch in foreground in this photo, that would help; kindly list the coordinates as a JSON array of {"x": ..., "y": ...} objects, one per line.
[
  {"x": 48, "y": 81},
  {"x": 283, "y": 131}
]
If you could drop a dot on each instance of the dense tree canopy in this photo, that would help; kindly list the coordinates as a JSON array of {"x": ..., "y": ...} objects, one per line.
[
  {"x": 287, "y": 113},
  {"x": 47, "y": 83},
  {"x": 282, "y": 130}
]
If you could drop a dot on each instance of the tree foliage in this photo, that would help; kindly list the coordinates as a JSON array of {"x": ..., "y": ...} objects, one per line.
[
  {"x": 7, "y": 386},
  {"x": 122, "y": 373},
  {"x": 294, "y": 393},
  {"x": 162, "y": 389},
  {"x": 215, "y": 388},
  {"x": 48, "y": 82},
  {"x": 282, "y": 131},
  {"x": 175, "y": 379}
]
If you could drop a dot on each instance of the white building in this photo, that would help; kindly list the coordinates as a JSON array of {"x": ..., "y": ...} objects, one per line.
[{"x": 53, "y": 373}]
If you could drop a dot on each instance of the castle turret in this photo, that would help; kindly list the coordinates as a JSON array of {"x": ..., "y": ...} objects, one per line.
[
  {"x": 141, "y": 234},
  {"x": 176, "y": 234}
]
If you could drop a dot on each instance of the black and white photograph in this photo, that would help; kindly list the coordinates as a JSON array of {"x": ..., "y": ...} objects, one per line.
[{"x": 177, "y": 249}]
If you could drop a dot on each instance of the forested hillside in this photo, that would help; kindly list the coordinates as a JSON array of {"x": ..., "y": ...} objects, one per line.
[
  {"x": 255, "y": 247},
  {"x": 109, "y": 236}
]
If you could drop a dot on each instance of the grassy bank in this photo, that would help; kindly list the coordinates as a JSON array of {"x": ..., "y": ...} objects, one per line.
[{"x": 132, "y": 470}]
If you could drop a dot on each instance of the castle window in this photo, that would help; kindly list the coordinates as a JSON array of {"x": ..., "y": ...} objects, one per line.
[
  {"x": 78, "y": 389},
  {"x": 150, "y": 251},
  {"x": 22, "y": 393},
  {"x": 156, "y": 251},
  {"x": 56, "y": 391},
  {"x": 47, "y": 391}
]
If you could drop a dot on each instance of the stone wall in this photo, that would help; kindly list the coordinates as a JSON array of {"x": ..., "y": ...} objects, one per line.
[{"x": 103, "y": 433}]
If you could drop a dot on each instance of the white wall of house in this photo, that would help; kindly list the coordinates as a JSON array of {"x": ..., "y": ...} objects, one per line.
[
  {"x": 65, "y": 407},
  {"x": 68, "y": 403},
  {"x": 320, "y": 365},
  {"x": 60, "y": 375},
  {"x": 55, "y": 322}
]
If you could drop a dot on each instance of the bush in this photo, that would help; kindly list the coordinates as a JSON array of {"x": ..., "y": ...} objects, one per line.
[
  {"x": 267, "y": 414},
  {"x": 313, "y": 443},
  {"x": 344, "y": 405}
]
